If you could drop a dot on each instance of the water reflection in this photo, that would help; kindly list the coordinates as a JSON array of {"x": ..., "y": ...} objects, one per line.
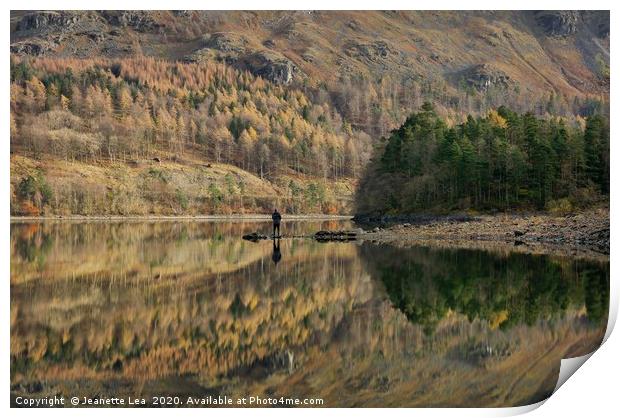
[
  {"x": 427, "y": 284},
  {"x": 276, "y": 256},
  {"x": 190, "y": 308}
]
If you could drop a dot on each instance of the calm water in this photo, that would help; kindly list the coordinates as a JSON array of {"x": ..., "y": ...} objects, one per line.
[{"x": 188, "y": 308}]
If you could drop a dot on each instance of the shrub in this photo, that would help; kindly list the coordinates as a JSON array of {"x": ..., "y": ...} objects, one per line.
[
  {"x": 27, "y": 187},
  {"x": 560, "y": 207},
  {"x": 27, "y": 208},
  {"x": 215, "y": 194},
  {"x": 158, "y": 174},
  {"x": 182, "y": 199},
  {"x": 35, "y": 191},
  {"x": 585, "y": 196}
]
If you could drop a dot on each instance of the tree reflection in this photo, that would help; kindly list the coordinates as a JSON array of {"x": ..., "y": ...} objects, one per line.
[
  {"x": 504, "y": 289},
  {"x": 194, "y": 305}
]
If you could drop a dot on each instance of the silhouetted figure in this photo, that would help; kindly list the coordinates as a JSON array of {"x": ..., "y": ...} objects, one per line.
[
  {"x": 276, "y": 217},
  {"x": 276, "y": 256}
]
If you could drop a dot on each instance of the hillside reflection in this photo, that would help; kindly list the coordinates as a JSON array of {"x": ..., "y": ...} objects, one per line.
[{"x": 190, "y": 308}]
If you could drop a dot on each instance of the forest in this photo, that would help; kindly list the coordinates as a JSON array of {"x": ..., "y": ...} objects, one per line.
[
  {"x": 501, "y": 161},
  {"x": 99, "y": 109},
  {"x": 124, "y": 112}
]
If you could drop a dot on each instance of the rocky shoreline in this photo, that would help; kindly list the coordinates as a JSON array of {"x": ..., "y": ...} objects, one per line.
[
  {"x": 587, "y": 231},
  {"x": 586, "y": 234}
]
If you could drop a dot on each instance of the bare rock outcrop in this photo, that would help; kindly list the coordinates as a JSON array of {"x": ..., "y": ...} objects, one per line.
[
  {"x": 140, "y": 20},
  {"x": 235, "y": 49},
  {"x": 226, "y": 42},
  {"x": 44, "y": 19},
  {"x": 373, "y": 52},
  {"x": 558, "y": 22},
  {"x": 484, "y": 76},
  {"x": 271, "y": 66},
  {"x": 33, "y": 47}
]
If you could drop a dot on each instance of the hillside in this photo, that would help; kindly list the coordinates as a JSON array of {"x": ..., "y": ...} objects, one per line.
[
  {"x": 124, "y": 137},
  {"x": 286, "y": 104},
  {"x": 375, "y": 67}
]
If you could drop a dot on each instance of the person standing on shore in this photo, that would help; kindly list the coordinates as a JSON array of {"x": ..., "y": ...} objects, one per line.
[{"x": 276, "y": 217}]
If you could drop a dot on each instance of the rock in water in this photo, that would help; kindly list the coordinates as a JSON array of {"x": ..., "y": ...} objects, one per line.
[
  {"x": 336, "y": 236},
  {"x": 254, "y": 237}
]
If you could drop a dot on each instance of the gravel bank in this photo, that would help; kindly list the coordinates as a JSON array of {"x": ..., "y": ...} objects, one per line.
[{"x": 586, "y": 231}]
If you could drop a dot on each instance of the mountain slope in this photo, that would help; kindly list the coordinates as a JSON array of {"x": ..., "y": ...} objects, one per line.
[
  {"x": 537, "y": 49},
  {"x": 523, "y": 55}
]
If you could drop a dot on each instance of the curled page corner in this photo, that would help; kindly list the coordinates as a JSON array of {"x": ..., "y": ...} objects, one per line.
[
  {"x": 521, "y": 410},
  {"x": 568, "y": 367},
  {"x": 613, "y": 312}
]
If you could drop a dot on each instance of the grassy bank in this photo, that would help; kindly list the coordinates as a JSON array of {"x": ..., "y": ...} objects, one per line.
[{"x": 172, "y": 186}]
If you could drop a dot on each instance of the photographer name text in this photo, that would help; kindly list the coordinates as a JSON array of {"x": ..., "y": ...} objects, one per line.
[{"x": 208, "y": 401}]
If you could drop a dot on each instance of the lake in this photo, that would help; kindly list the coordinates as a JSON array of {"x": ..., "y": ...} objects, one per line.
[{"x": 189, "y": 309}]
